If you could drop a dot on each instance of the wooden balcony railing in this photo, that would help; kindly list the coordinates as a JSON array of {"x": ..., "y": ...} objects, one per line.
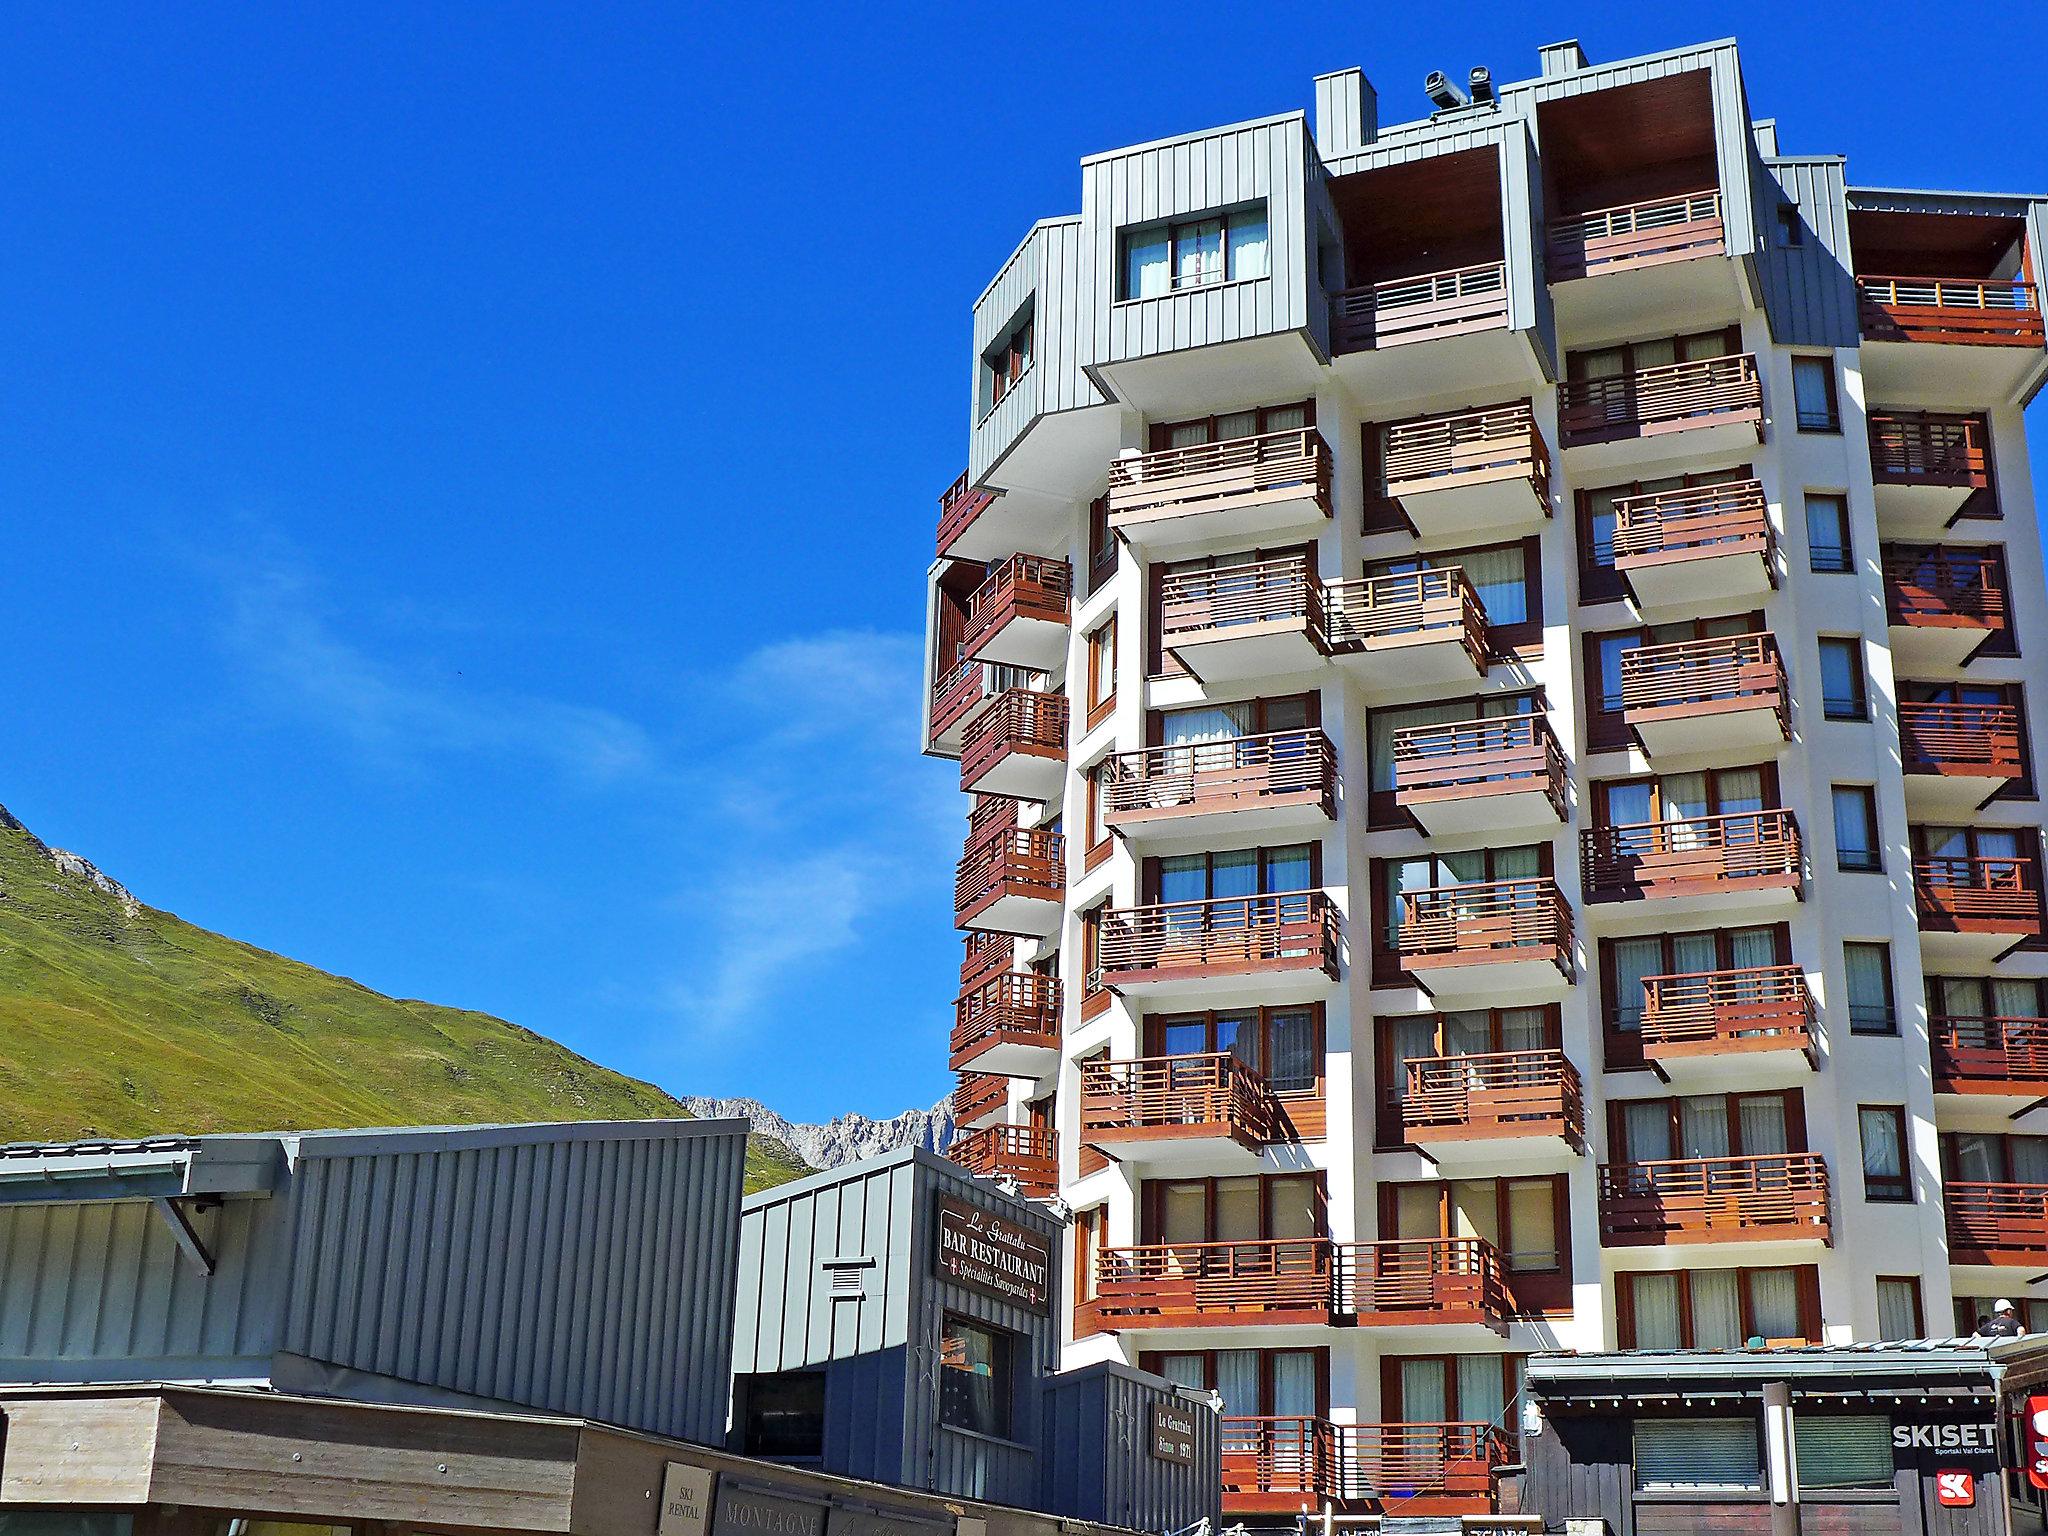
[
  {"x": 1989, "y": 1055},
  {"x": 1929, "y": 448},
  {"x": 1387, "y": 613},
  {"x": 1996, "y": 1223},
  {"x": 1670, "y": 398},
  {"x": 1279, "y": 1463},
  {"x": 1993, "y": 312},
  {"x": 1979, "y": 741},
  {"x": 1177, "y": 1284},
  {"x": 1020, "y": 720},
  {"x": 968, "y": 685},
  {"x": 1405, "y": 309},
  {"x": 1695, "y": 856},
  {"x": 1421, "y": 1280},
  {"x": 989, "y": 816},
  {"x": 1239, "y": 471},
  {"x": 1485, "y": 921},
  {"x": 959, "y": 505},
  {"x": 983, "y": 955},
  {"x": 1703, "y": 677},
  {"x": 1238, "y": 773},
  {"x": 1711, "y": 1013},
  {"x": 1698, "y": 522},
  {"x": 1982, "y": 893},
  {"x": 1943, "y": 587},
  {"x": 1210, "y": 1094},
  {"x": 1027, "y": 1154},
  {"x": 1207, "y": 604},
  {"x": 1716, "y": 1199},
  {"x": 1225, "y": 935},
  {"x": 1024, "y": 863},
  {"x": 1495, "y": 1094},
  {"x": 1640, "y": 234},
  {"x": 1474, "y": 759},
  {"x": 977, "y": 1094},
  {"x": 1434, "y": 453},
  {"x": 1009, "y": 1008},
  {"x": 1023, "y": 586}
]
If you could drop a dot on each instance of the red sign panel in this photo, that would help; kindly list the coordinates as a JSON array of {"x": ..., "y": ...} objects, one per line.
[
  {"x": 1955, "y": 1490},
  {"x": 2036, "y": 1429}
]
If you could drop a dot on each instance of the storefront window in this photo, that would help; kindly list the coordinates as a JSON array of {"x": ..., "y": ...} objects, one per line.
[{"x": 974, "y": 1377}]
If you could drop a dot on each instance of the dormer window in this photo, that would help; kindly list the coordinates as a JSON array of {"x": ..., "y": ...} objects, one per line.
[
  {"x": 1194, "y": 253},
  {"x": 1010, "y": 358}
]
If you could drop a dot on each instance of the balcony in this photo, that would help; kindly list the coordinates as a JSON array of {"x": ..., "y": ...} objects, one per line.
[
  {"x": 1944, "y": 603},
  {"x": 1753, "y": 1023},
  {"x": 1495, "y": 935},
  {"x": 1631, "y": 236},
  {"x": 1244, "y": 621},
  {"x": 1413, "y": 630},
  {"x": 979, "y": 1099},
  {"x": 1402, "y": 310},
  {"x": 1463, "y": 473},
  {"x": 1176, "y": 1109},
  {"x": 1976, "y": 906},
  {"x": 1018, "y": 617},
  {"x": 1473, "y": 776},
  {"x": 1990, "y": 1057},
  {"x": 1519, "y": 1108},
  {"x": 1248, "y": 490},
  {"x": 1271, "y": 949},
  {"x": 1449, "y": 1283},
  {"x": 961, "y": 693},
  {"x": 1702, "y": 544},
  {"x": 1740, "y": 859},
  {"x": 1997, "y": 1223},
  {"x": 960, "y": 509},
  {"x": 1281, "y": 1465},
  {"x": 1017, "y": 748},
  {"x": 1229, "y": 1284},
  {"x": 1713, "y": 405},
  {"x": 1957, "y": 757},
  {"x": 1013, "y": 883},
  {"x": 983, "y": 955},
  {"x": 1931, "y": 468},
  {"x": 1027, "y": 1155},
  {"x": 1950, "y": 311},
  {"x": 1636, "y": 268},
  {"x": 1773, "y": 1199},
  {"x": 1008, "y": 1024},
  {"x": 1282, "y": 781},
  {"x": 1725, "y": 694}
]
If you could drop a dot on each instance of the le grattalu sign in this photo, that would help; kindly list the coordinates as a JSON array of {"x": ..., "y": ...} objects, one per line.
[{"x": 1000, "y": 1259}]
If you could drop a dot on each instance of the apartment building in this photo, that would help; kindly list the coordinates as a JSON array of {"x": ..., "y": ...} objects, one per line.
[{"x": 1490, "y": 657}]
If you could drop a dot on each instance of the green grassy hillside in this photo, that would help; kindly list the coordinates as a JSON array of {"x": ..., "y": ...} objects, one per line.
[{"x": 120, "y": 1020}]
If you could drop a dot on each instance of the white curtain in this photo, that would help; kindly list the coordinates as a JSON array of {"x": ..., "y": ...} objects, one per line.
[
  {"x": 1237, "y": 1379},
  {"x": 1481, "y": 1398},
  {"x": 1763, "y": 1125},
  {"x": 1656, "y": 1309},
  {"x": 1716, "y": 1310},
  {"x": 1633, "y": 960},
  {"x": 1423, "y": 1398},
  {"x": 1294, "y": 1383},
  {"x": 1248, "y": 244},
  {"x": 1774, "y": 1301},
  {"x": 1703, "y": 1125}
]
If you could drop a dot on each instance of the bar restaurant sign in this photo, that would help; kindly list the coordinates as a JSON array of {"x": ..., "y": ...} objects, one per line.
[{"x": 1000, "y": 1259}]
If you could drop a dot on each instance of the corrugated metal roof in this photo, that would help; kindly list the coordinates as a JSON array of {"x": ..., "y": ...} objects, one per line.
[{"x": 1916, "y": 1357}]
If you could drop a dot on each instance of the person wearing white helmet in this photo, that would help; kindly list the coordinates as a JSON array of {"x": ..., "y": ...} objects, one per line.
[{"x": 2003, "y": 1323}]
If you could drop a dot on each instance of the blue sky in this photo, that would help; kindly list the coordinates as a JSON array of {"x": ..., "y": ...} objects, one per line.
[{"x": 469, "y": 471}]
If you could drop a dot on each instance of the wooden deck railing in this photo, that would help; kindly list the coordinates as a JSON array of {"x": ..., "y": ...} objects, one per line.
[
  {"x": 1703, "y": 677},
  {"x": 968, "y": 685},
  {"x": 1497, "y": 1093},
  {"x": 1485, "y": 920},
  {"x": 983, "y": 954},
  {"x": 1638, "y": 234},
  {"x": 1668, "y": 398},
  {"x": 989, "y": 816},
  {"x": 1701, "y": 1199},
  {"x": 1405, "y": 309},
  {"x": 1023, "y": 586},
  {"x": 1473, "y": 759},
  {"x": 1236, "y": 773},
  {"x": 1217, "y": 476},
  {"x": 1929, "y": 448},
  {"x": 1692, "y": 856},
  {"x": 1010, "y": 1007},
  {"x": 1374, "y": 613},
  {"x": 1176, "y": 1284},
  {"x": 1021, "y": 720},
  {"x": 1212, "y": 1093},
  {"x": 1198, "y": 604},
  {"x": 1709, "y": 1013},
  {"x": 1429, "y": 453},
  {"x": 1030, "y": 862},
  {"x": 1273, "y": 1463},
  {"x": 1028, "y": 1154},
  {"x": 1997, "y": 312},
  {"x": 959, "y": 505},
  {"x": 1996, "y": 1223},
  {"x": 1973, "y": 740},
  {"x": 1421, "y": 1280},
  {"x": 1989, "y": 1053},
  {"x": 1224, "y": 935},
  {"x": 1984, "y": 893},
  {"x": 977, "y": 1094},
  {"x": 1693, "y": 523},
  {"x": 1941, "y": 586}
]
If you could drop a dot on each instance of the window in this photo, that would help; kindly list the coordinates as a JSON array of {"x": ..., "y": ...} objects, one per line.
[
  {"x": 1791, "y": 231},
  {"x": 1683, "y": 1455},
  {"x": 1827, "y": 532},
  {"x": 1091, "y": 1229},
  {"x": 1475, "y": 1388},
  {"x": 1276, "y": 1208},
  {"x": 1813, "y": 394},
  {"x": 1882, "y": 1129},
  {"x": 1716, "y": 1308},
  {"x": 1632, "y": 357},
  {"x": 1520, "y": 1217},
  {"x": 1898, "y": 1309},
  {"x": 1598, "y": 580},
  {"x": 1433, "y": 871},
  {"x": 1102, "y": 546},
  {"x": 1284, "y": 1046},
  {"x": 1842, "y": 695},
  {"x": 1705, "y": 1125},
  {"x": 1094, "y": 996},
  {"x": 1101, "y": 671},
  {"x": 1253, "y": 1383},
  {"x": 1506, "y": 578},
  {"x": 1098, "y": 830},
  {"x": 1624, "y": 963},
  {"x": 784, "y": 1415},
  {"x": 1381, "y": 724},
  {"x": 1985, "y": 1157},
  {"x": 1842, "y": 1450},
  {"x": 1605, "y": 727},
  {"x": 1194, "y": 253},
  {"x": 1856, "y": 850},
  {"x": 1868, "y": 967},
  {"x": 974, "y": 1377},
  {"x": 1009, "y": 359},
  {"x": 1468, "y": 1032},
  {"x": 1233, "y": 873}
]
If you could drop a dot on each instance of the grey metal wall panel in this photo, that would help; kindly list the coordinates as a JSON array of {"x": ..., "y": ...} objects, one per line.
[
  {"x": 1809, "y": 290},
  {"x": 578, "y": 1270},
  {"x": 1051, "y": 272},
  {"x": 1347, "y": 112},
  {"x": 1524, "y": 238}
]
